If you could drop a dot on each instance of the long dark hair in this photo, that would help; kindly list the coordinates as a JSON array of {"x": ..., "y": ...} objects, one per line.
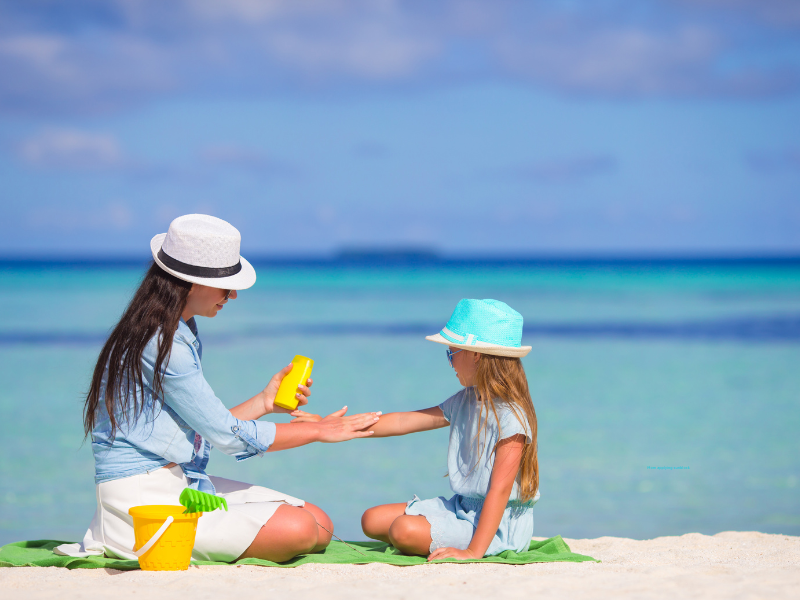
[{"x": 156, "y": 306}]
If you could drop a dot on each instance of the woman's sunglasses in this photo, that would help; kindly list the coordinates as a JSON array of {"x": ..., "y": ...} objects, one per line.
[
  {"x": 450, "y": 355},
  {"x": 227, "y": 294}
]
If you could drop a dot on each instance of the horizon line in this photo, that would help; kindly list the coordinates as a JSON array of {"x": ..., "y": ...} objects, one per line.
[{"x": 425, "y": 256}]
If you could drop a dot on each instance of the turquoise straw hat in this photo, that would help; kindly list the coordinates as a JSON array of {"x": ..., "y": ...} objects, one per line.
[{"x": 486, "y": 326}]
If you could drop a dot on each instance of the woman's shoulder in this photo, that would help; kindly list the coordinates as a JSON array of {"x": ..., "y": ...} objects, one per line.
[{"x": 182, "y": 356}]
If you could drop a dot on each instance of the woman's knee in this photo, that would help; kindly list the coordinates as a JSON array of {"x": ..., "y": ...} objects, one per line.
[
  {"x": 295, "y": 527},
  {"x": 304, "y": 531},
  {"x": 324, "y": 526},
  {"x": 289, "y": 532},
  {"x": 320, "y": 515}
]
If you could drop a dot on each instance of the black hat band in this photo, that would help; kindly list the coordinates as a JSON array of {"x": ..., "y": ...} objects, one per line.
[{"x": 195, "y": 271}]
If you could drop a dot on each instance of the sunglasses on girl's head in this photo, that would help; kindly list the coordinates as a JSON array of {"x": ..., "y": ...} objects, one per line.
[{"x": 450, "y": 355}]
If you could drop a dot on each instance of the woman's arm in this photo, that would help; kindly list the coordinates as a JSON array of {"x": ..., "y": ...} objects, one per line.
[
  {"x": 333, "y": 428},
  {"x": 263, "y": 403},
  {"x": 186, "y": 391},
  {"x": 507, "y": 459}
]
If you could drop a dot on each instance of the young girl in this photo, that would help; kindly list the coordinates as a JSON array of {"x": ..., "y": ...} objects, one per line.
[{"x": 491, "y": 460}]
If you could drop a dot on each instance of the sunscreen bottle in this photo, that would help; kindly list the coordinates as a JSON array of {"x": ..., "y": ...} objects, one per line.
[{"x": 299, "y": 374}]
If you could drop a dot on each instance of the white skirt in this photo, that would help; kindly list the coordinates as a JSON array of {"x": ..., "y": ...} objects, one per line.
[{"x": 221, "y": 535}]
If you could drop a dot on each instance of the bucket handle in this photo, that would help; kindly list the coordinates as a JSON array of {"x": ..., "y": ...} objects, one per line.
[{"x": 154, "y": 539}]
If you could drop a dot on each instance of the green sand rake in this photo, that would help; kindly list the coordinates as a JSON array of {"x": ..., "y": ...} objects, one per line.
[{"x": 196, "y": 501}]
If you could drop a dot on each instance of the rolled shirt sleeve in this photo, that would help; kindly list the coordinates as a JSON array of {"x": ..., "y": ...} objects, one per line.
[{"x": 186, "y": 391}]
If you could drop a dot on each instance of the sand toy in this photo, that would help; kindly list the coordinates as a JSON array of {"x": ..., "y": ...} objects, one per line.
[
  {"x": 196, "y": 501},
  {"x": 165, "y": 534}
]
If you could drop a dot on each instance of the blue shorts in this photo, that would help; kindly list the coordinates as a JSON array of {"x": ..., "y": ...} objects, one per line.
[{"x": 453, "y": 522}]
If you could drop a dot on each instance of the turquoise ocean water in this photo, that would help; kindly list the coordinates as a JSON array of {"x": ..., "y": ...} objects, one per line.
[{"x": 668, "y": 394}]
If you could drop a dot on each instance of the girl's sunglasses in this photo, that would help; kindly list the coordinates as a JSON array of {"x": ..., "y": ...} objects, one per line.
[
  {"x": 227, "y": 294},
  {"x": 450, "y": 355}
]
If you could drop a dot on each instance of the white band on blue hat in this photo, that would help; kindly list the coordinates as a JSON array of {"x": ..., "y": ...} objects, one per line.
[
  {"x": 452, "y": 336},
  {"x": 469, "y": 340}
]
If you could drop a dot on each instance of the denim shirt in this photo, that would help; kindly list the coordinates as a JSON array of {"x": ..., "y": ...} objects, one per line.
[{"x": 183, "y": 429}]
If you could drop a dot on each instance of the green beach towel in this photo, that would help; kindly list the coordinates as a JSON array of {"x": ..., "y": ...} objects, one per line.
[{"x": 40, "y": 554}]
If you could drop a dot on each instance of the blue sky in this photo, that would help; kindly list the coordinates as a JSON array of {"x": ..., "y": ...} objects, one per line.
[{"x": 562, "y": 127}]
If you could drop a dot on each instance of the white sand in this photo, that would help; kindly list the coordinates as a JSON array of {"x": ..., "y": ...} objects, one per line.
[{"x": 726, "y": 565}]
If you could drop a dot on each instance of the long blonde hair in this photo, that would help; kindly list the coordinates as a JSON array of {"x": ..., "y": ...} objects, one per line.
[{"x": 503, "y": 378}]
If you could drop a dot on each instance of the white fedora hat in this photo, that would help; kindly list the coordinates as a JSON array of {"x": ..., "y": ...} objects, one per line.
[{"x": 203, "y": 249}]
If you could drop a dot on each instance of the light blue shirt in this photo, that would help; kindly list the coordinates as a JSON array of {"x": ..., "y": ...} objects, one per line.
[
  {"x": 183, "y": 430},
  {"x": 470, "y": 457}
]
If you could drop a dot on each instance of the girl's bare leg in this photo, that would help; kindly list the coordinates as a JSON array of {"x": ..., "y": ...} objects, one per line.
[
  {"x": 411, "y": 534},
  {"x": 292, "y": 530},
  {"x": 376, "y": 521}
]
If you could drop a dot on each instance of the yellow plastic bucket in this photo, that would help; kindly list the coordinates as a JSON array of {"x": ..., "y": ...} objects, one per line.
[{"x": 172, "y": 550}]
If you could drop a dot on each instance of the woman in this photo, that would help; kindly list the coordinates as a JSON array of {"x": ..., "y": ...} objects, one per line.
[{"x": 153, "y": 418}]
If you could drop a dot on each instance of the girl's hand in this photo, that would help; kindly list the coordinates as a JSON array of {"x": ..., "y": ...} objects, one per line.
[
  {"x": 441, "y": 553},
  {"x": 269, "y": 392},
  {"x": 301, "y": 416},
  {"x": 338, "y": 428}
]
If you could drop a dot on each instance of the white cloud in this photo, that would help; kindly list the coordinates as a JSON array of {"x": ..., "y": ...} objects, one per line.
[
  {"x": 372, "y": 51},
  {"x": 36, "y": 49},
  {"x": 781, "y": 13},
  {"x": 116, "y": 215},
  {"x": 127, "y": 51},
  {"x": 243, "y": 157},
  {"x": 71, "y": 149},
  {"x": 253, "y": 11},
  {"x": 616, "y": 61}
]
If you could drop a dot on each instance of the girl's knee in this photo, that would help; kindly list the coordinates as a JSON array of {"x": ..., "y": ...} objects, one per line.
[
  {"x": 370, "y": 522},
  {"x": 405, "y": 532}
]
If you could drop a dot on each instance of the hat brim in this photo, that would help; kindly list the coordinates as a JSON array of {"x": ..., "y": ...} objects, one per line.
[
  {"x": 483, "y": 347},
  {"x": 241, "y": 281}
]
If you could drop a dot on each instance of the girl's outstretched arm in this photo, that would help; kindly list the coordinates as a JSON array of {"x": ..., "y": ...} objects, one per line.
[
  {"x": 507, "y": 459},
  {"x": 401, "y": 423}
]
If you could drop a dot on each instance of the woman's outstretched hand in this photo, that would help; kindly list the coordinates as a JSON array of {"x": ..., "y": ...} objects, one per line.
[
  {"x": 269, "y": 393},
  {"x": 333, "y": 428},
  {"x": 338, "y": 428}
]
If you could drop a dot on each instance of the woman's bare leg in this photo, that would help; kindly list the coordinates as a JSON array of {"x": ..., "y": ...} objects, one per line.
[
  {"x": 325, "y": 521},
  {"x": 292, "y": 530},
  {"x": 376, "y": 521}
]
